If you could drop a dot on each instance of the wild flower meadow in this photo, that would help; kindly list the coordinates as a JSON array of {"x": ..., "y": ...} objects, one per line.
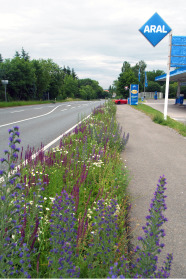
[{"x": 65, "y": 213}]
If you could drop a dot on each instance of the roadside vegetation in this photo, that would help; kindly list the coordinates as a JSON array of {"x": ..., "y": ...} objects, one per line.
[
  {"x": 66, "y": 212},
  {"x": 158, "y": 118},
  {"x": 43, "y": 79},
  {"x": 28, "y": 103}
]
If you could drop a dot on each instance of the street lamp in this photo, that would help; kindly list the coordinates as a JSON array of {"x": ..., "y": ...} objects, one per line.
[{"x": 5, "y": 82}]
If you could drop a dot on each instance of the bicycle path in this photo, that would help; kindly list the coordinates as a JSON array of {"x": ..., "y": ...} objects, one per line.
[{"x": 152, "y": 151}]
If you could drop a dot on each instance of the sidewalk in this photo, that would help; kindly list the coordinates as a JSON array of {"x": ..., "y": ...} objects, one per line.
[{"x": 152, "y": 151}]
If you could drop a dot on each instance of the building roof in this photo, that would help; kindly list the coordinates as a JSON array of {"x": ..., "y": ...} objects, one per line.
[{"x": 176, "y": 75}]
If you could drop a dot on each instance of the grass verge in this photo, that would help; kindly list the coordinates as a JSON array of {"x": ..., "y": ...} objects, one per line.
[
  {"x": 158, "y": 118},
  {"x": 27, "y": 103}
]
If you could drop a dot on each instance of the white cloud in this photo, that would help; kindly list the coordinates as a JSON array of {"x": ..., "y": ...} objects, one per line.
[{"x": 92, "y": 36}]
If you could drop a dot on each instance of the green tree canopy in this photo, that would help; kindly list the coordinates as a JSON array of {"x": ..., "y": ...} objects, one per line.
[
  {"x": 70, "y": 87},
  {"x": 87, "y": 92},
  {"x": 98, "y": 90},
  {"x": 153, "y": 86},
  {"x": 34, "y": 79},
  {"x": 126, "y": 66},
  {"x": 1, "y": 58},
  {"x": 21, "y": 76},
  {"x": 125, "y": 79},
  {"x": 42, "y": 81}
]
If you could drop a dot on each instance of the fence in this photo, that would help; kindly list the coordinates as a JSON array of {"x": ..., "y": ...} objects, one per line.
[{"x": 150, "y": 95}]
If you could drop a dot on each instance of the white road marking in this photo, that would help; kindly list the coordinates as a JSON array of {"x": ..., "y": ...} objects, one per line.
[
  {"x": 63, "y": 109},
  {"x": 23, "y": 120},
  {"x": 38, "y": 108},
  {"x": 17, "y": 111}
]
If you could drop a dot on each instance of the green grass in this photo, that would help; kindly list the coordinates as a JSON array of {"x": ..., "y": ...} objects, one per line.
[
  {"x": 158, "y": 118},
  {"x": 26, "y": 103}
]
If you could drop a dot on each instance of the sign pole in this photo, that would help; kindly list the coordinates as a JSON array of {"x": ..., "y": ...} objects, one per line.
[{"x": 167, "y": 77}]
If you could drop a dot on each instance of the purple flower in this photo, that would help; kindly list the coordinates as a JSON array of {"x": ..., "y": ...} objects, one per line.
[
  {"x": 16, "y": 128},
  {"x": 13, "y": 146},
  {"x": 2, "y": 172},
  {"x": 3, "y": 198},
  {"x": 140, "y": 238},
  {"x": 15, "y": 155},
  {"x": 18, "y": 140},
  {"x": 12, "y": 166}
]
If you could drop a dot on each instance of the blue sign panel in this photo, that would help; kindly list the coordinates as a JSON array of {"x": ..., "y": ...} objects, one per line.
[
  {"x": 155, "y": 29},
  {"x": 178, "y": 51},
  {"x": 134, "y": 94}
]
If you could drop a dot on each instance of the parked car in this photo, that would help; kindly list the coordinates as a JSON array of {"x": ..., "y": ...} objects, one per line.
[{"x": 120, "y": 101}]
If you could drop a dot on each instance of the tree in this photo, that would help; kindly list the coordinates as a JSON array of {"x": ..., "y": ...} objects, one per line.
[
  {"x": 153, "y": 86},
  {"x": 99, "y": 93},
  {"x": 56, "y": 80},
  {"x": 151, "y": 75},
  {"x": 24, "y": 55},
  {"x": 74, "y": 74},
  {"x": 42, "y": 73},
  {"x": 1, "y": 58},
  {"x": 86, "y": 92},
  {"x": 21, "y": 76},
  {"x": 17, "y": 54},
  {"x": 141, "y": 65},
  {"x": 70, "y": 87},
  {"x": 125, "y": 79},
  {"x": 126, "y": 66},
  {"x": 172, "y": 89}
]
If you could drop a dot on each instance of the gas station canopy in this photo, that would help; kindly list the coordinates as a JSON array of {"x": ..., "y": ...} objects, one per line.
[{"x": 176, "y": 75}]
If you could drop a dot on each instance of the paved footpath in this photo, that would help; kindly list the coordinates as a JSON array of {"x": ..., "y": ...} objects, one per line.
[{"x": 152, "y": 151}]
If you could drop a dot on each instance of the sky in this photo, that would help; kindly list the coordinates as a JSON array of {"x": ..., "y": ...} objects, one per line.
[{"x": 94, "y": 37}]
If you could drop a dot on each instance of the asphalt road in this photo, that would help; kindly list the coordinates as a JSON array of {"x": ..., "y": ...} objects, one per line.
[
  {"x": 42, "y": 123},
  {"x": 152, "y": 151}
]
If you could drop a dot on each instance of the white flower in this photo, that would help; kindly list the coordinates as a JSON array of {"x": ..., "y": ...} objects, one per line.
[{"x": 47, "y": 208}]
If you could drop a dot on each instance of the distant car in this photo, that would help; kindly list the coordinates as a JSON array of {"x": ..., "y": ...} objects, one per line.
[{"x": 120, "y": 101}]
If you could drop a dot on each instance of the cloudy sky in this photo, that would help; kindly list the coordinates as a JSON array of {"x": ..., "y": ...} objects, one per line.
[{"x": 94, "y": 37}]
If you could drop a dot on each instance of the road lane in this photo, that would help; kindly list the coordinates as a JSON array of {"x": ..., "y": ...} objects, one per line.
[{"x": 44, "y": 127}]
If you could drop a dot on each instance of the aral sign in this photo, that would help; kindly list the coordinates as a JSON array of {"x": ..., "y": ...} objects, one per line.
[
  {"x": 134, "y": 89},
  {"x": 155, "y": 29}
]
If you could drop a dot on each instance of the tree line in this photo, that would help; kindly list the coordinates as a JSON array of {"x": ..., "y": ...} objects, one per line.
[
  {"x": 40, "y": 79},
  {"x": 129, "y": 75}
]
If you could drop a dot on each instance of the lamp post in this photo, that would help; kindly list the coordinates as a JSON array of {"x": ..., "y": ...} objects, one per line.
[{"x": 5, "y": 82}]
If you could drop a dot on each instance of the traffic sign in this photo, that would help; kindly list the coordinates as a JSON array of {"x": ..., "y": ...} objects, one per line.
[{"x": 155, "y": 29}]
